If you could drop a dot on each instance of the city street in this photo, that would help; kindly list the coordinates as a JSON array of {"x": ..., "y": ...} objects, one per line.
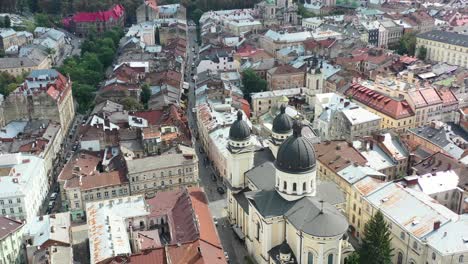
[{"x": 217, "y": 202}]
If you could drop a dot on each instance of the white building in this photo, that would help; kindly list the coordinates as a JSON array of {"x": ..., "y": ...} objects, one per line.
[
  {"x": 11, "y": 241},
  {"x": 23, "y": 185},
  {"x": 48, "y": 239}
]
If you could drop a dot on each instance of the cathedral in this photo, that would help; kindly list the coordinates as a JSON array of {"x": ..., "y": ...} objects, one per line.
[
  {"x": 284, "y": 11},
  {"x": 275, "y": 202}
]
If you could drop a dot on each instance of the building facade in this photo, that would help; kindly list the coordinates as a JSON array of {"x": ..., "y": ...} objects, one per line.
[
  {"x": 443, "y": 46},
  {"x": 11, "y": 241}
]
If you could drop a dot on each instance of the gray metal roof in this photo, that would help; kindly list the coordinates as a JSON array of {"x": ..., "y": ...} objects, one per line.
[{"x": 446, "y": 37}]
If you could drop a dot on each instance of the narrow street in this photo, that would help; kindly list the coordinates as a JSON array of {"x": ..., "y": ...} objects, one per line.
[{"x": 217, "y": 202}]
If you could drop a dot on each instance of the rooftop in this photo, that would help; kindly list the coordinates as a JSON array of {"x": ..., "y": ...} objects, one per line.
[
  {"x": 8, "y": 226},
  {"x": 337, "y": 155},
  {"x": 446, "y": 37},
  {"x": 359, "y": 115}
]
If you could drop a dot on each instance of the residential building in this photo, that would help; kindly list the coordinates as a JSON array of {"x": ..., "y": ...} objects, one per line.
[
  {"x": 389, "y": 33},
  {"x": 169, "y": 171},
  {"x": 40, "y": 138},
  {"x": 262, "y": 102},
  {"x": 444, "y": 46},
  {"x": 24, "y": 186},
  {"x": 84, "y": 22},
  {"x": 273, "y": 41},
  {"x": 338, "y": 118},
  {"x": 45, "y": 94},
  {"x": 48, "y": 239},
  {"x": 441, "y": 137},
  {"x": 11, "y": 241},
  {"x": 133, "y": 229},
  {"x": 92, "y": 176},
  {"x": 422, "y": 230},
  {"x": 8, "y": 39},
  {"x": 283, "y": 12},
  {"x": 149, "y": 11},
  {"x": 285, "y": 77},
  {"x": 395, "y": 113},
  {"x": 21, "y": 65},
  {"x": 219, "y": 62}
]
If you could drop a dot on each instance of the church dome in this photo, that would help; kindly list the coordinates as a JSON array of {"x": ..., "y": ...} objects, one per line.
[
  {"x": 282, "y": 124},
  {"x": 239, "y": 130},
  {"x": 296, "y": 154}
]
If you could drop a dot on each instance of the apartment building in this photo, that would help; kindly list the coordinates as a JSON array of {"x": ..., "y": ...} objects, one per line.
[
  {"x": 11, "y": 240},
  {"x": 285, "y": 77},
  {"x": 23, "y": 186},
  {"x": 45, "y": 94},
  {"x": 395, "y": 113},
  {"x": 443, "y": 46},
  {"x": 92, "y": 176},
  {"x": 169, "y": 171}
]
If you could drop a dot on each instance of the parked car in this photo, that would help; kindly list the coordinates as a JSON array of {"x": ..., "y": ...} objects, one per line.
[
  {"x": 51, "y": 204},
  {"x": 226, "y": 256},
  {"x": 220, "y": 190},
  {"x": 215, "y": 221},
  {"x": 53, "y": 196},
  {"x": 75, "y": 147}
]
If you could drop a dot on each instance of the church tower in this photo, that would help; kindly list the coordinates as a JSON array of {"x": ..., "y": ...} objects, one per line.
[
  {"x": 314, "y": 80},
  {"x": 295, "y": 166},
  {"x": 282, "y": 129},
  {"x": 241, "y": 154}
]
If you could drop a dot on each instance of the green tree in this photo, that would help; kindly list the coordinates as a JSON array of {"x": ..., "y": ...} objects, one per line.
[
  {"x": 106, "y": 56},
  {"x": 82, "y": 93},
  {"x": 196, "y": 15},
  {"x": 145, "y": 95},
  {"x": 353, "y": 258},
  {"x": 7, "y": 22},
  {"x": 407, "y": 44},
  {"x": 422, "y": 53},
  {"x": 252, "y": 83},
  {"x": 376, "y": 248},
  {"x": 131, "y": 104},
  {"x": 42, "y": 20}
]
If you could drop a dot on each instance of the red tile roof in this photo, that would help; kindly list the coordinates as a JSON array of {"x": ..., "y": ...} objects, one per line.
[
  {"x": 448, "y": 97},
  {"x": 382, "y": 103},
  {"x": 115, "y": 12},
  {"x": 425, "y": 97}
]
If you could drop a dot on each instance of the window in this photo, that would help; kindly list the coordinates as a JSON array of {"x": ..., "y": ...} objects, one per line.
[
  {"x": 75, "y": 195},
  {"x": 18, "y": 200},
  {"x": 77, "y": 205},
  {"x": 285, "y": 185},
  {"x": 446, "y": 196},
  {"x": 258, "y": 231},
  {"x": 310, "y": 258},
  {"x": 1, "y": 202},
  {"x": 98, "y": 195},
  {"x": 415, "y": 245},
  {"x": 460, "y": 259},
  {"x": 20, "y": 210},
  {"x": 3, "y": 212},
  {"x": 180, "y": 180},
  {"x": 294, "y": 187},
  {"x": 106, "y": 194},
  {"x": 113, "y": 193},
  {"x": 402, "y": 235},
  {"x": 304, "y": 186},
  {"x": 162, "y": 183},
  {"x": 433, "y": 256},
  {"x": 400, "y": 258},
  {"x": 91, "y": 197},
  {"x": 12, "y": 210},
  {"x": 10, "y": 201},
  {"x": 330, "y": 259}
]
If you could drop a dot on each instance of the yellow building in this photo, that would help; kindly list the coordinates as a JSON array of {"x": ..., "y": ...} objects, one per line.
[
  {"x": 395, "y": 113},
  {"x": 444, "y": 46}
]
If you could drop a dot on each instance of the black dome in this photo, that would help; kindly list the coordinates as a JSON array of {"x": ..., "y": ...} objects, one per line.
[
  {"x": 285, "y": 248},
  {"x": 297, "y": 153},
  {"x": 239, "y": 130},
  {"x": 282, "y": 124}
]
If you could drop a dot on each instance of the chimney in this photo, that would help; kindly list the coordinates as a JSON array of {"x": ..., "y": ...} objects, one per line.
[{"x": 436, "y": 225}]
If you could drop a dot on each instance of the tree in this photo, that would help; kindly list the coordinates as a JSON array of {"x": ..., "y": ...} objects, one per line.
[
  {"x": 42, "y": 20},
  {"x": 196, "y": 15},
  {"x": 7, "y": 22},
  {"x": 352, "y": 259},
  {"x": 145, "y": 94},
  {"x": 422, "y": 53},
  {"x": 82, "y": 94},
  {"x": 131, "y": 104},
  {"x": 252, "y": 83},
  {"x": 407, "y": 44},
  {"x": 376, "y": 247}
]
